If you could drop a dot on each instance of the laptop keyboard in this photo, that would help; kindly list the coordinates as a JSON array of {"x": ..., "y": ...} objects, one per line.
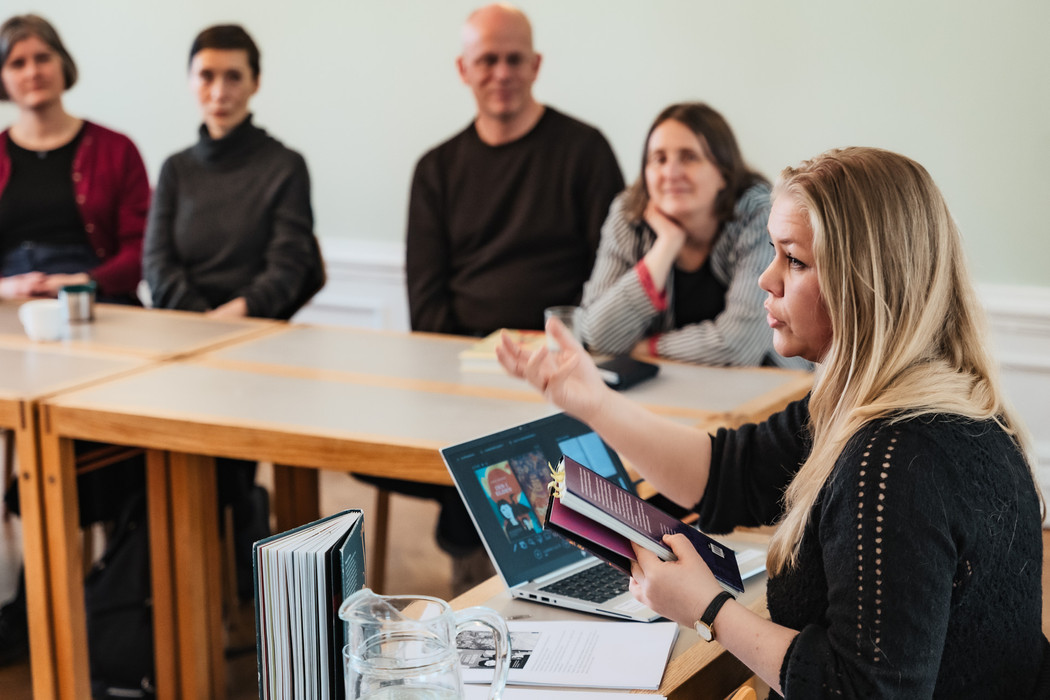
[{"x": 596, "y": 584}]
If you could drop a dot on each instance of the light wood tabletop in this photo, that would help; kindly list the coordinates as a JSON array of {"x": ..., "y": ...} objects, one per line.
[
  {"x": 309, "y": 422},
  {"x": 131, "y": 330},
  {"x": 430, "y": 361}
]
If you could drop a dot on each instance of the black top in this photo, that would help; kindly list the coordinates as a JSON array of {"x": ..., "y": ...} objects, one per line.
[
  {"x": 919, "y": 573},
  {"x": 498, "y": 233},
  {"x": 38, "y": 205},
  {"x": 698, "y": 295},
  {"x": 232, "y": 218}
]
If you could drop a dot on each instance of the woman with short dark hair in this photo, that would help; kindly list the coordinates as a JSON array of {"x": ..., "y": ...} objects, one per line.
[
  {"x": 231, "y": 228},
  {"x": 231, "y": 234}
]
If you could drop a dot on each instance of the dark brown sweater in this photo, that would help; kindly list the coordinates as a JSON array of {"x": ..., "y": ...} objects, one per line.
[{"x": 498, "y": 233}]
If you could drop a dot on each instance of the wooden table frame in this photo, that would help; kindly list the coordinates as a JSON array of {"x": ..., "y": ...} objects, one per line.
[
  {"x": 51, "y": 550},
  {"x": 187, "y": 596},
  {"x": 187, "y": 600}
]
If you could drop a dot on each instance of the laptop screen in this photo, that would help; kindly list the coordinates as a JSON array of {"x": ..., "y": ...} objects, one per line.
[{"x": 503, "y": 479}]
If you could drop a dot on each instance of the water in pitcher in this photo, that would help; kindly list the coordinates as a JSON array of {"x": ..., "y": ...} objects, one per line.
[
  {"x": 407, "y": 693},
  {"x": 404, "y": 647}
]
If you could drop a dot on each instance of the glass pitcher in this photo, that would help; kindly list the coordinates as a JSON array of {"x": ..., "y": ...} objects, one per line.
[{"x": 404, "y": 647}]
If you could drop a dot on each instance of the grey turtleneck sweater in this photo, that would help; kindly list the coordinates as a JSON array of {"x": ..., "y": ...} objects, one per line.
[{"x": 232, "y": 218}]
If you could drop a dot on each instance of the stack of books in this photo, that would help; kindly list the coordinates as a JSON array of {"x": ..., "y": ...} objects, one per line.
[{"x": 481, "y": 356}]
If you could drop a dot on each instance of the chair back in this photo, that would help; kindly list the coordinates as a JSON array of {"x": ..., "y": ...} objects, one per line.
[{"x": 744, "y": 693}]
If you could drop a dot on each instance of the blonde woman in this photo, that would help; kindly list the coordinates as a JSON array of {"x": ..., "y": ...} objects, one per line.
[{"x": 908, "y": 557}]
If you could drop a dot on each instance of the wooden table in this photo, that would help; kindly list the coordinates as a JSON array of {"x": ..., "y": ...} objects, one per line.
[
  {"x": 697, "y": 670},
  {"x": 430, "y": 362},
  {"x": 318, "y": 398},
  {"x": 28, "y": 375},
  {"x": 120, "y": 340}
]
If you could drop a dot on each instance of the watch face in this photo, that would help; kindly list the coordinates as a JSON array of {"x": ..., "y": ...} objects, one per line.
[{"x": 704, "y": 631}]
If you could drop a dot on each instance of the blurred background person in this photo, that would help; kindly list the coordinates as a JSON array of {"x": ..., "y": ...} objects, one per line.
[
  {"x": 73, "y": 203},
  {"x": 503, "y": 221},
  {"x": 231, "y": 234},
  {"x": 73, "y": 194},
  {"x": 682, "y": 249}
]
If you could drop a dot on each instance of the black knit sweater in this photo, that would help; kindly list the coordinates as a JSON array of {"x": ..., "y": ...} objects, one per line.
[
  {"x": 231, "y": 218},
  {"x": 919, "y": 573}
]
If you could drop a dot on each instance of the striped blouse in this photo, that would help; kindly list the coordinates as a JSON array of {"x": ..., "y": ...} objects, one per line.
[{"x": 621, "y": 307}]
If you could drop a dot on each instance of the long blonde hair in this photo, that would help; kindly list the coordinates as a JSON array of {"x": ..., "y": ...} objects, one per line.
[{"x": 908, "y": 334}]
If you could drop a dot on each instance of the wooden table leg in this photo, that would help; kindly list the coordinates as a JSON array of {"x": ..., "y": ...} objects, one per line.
[
  {"x": 162, "y": 572},
  {"x": 35, "y": 556},
  {"x": 197, "y": 576},
  {"x": 295, "y": 496},
  {"x": 66, "y": 569},
  {"x": 381, "y": 523}
]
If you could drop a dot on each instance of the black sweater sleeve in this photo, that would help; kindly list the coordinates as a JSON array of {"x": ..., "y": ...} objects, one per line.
[
  {"x": 162, "y": 267},
  {"x": 750, "y": 468}
]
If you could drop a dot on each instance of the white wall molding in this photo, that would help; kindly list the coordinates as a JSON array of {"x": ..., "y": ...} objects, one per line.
[
  {"x": 365, "y": 288},
  {"x": 1019, "y": 322}
]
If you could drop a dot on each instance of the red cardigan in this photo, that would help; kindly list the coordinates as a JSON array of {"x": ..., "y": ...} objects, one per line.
[{"x": 112, "y": 191}]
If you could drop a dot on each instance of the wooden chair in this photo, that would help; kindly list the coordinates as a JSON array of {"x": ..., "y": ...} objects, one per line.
[{"x": 744, "y": 692}]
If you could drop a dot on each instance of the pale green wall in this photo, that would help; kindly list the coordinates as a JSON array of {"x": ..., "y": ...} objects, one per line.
[{"x": 363, "y": 88}]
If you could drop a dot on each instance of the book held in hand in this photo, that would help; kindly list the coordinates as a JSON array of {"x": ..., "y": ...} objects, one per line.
[
  {"x": 601, "y": 517},
  {"x": 301, "y": 578}
]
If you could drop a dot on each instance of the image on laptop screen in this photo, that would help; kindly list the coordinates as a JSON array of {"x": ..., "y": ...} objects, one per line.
[{"x": 503, "y": 479}]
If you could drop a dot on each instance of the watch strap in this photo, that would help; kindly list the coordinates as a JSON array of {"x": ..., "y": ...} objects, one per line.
[{"x": 708, "y": 618}]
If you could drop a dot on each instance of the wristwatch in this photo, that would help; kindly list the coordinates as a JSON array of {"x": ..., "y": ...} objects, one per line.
[{"x": 704, "y": 626}]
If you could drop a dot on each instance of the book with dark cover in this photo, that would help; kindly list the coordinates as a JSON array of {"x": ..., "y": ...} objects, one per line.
[
  {"x": 589, "y": 536},
  {"x": 603, "y": 518},
  {"x": 623, "y": 372},
  {"x": 310, "y": 570}
]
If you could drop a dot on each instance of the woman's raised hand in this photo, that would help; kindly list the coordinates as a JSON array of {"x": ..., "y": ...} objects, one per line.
[{"x": 568, "y": 377}]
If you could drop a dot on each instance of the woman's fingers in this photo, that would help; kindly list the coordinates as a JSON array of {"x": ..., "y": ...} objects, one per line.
[
  {"x": 509, "y": 354},
  {"x": 562, "y": 336}
]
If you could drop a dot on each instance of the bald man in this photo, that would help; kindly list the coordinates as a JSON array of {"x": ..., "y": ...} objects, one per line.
[
  {"x": 504, "y": 218},
  {"x": 504, "y": 221}
]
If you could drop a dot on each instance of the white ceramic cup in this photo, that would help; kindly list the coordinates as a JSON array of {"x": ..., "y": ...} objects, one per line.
[
  {"x": 43, "y": 319},
  {"x": 571, "y": 317}
]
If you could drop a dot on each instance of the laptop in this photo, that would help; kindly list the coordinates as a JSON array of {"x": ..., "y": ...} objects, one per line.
[{"x": 503, "y": 479}]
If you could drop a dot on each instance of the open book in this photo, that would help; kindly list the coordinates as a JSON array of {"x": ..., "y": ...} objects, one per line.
[
  {"x": 301, "y": 578},
  {"x": 573, "y": 653},
  {"x": 597, "y": 515}
]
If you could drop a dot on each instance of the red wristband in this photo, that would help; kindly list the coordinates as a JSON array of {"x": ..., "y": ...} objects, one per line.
[{"x": 658, "y": 299}]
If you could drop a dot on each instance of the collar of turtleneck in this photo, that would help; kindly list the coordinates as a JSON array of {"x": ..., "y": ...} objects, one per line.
[{"x": 242, "y": 137}]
